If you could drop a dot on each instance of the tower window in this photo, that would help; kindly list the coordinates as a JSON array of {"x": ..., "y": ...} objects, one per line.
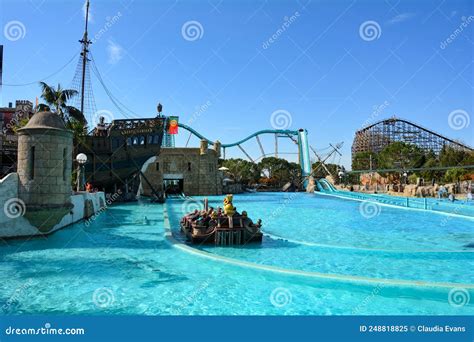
[
  {"x": 157, "y": 166},
  {"x": 64, "y": 163},
  {"x": 31, "y": 163},
  {"x": 189, "y": 166}
]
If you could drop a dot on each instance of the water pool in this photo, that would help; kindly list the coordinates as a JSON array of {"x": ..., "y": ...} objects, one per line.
[{"x": 122, "y": 263}]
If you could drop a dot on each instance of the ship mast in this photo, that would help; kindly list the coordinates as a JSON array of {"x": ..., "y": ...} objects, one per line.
[{"x": 85, "y": 49}]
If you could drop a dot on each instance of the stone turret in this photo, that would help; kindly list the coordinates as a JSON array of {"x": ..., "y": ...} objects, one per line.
[
  {"x": 217, "y": 148},
  {"x": 44, "y": 169},
  {"x": 204, "y": 146}
]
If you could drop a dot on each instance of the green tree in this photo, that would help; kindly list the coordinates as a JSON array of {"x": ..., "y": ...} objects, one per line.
[
  {"x": 402, "y": 156},
  {"x": 242, "y": 170},
  {"x": 56, "y": 100},
  {"x": 455, "y": 174},
  {"x": 450, "y": 156},
  {"x": 362, "y": 160}
]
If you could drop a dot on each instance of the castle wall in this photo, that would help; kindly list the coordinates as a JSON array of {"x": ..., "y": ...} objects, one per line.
[
  {"x": 198, "y": 171},
  {"x": 13, "y": 222}
]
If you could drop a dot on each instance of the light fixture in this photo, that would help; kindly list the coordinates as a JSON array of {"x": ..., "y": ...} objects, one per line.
[{"x": 81, "y": 158}]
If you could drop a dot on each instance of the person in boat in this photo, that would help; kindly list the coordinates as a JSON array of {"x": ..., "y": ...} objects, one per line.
[
  {"x": 469, "y": 195},
  {"x": 219, "y": 212},
  {"x": 247, "y": 221},
  {"x": 213, "y": 220},
  {"x": 89, "y": 187},
  {"x": 204, "y": 220},
  {"x": 451, "y": 197}
]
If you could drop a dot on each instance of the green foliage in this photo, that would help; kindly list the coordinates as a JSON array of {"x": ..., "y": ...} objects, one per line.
[
  {"x": 454, "y": 157},
  {"x": 271, "y": 171},
  {"x": 402, "y": 156},
  {"x": 20, "y": 124},
  {"x": 56, "y": 100},
  {"x": 361, "y": 160},
  {"x": 242, "y": 170},
  {"x": 454, "y": 175},
  {"x": 412, "y": 178}
]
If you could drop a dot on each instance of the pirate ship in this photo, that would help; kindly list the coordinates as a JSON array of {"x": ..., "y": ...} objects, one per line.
[
  {"x": 225, "y": 227},
  {"x": 116, "y": 150}
]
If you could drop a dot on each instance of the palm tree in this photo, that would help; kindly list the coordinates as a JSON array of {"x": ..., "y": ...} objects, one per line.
[{"x": 56, "y": 100}]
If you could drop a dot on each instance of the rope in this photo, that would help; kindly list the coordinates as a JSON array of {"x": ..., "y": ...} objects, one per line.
[
  {"x": 116, "y": 102},
  {"x": 44, "y": 78}
]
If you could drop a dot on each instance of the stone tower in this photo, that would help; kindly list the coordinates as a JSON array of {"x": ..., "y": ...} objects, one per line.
[{"x": 44, "y": 169}]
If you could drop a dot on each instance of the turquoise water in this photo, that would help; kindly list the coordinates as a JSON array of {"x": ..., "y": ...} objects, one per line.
[
  {"x": 122, "y": 263},
  {"x": 459, "y": 207}
]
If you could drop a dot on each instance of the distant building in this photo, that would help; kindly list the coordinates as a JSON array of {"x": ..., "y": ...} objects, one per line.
[{"x": 9, "y": 118}]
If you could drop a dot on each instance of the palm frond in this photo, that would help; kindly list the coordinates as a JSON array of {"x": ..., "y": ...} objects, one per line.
[{"x": 76, "y": 114}]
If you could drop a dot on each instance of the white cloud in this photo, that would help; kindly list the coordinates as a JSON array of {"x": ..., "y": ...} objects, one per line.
[
  {"x": 400, "y": 18},
  {"x": 115, "y": 52}
]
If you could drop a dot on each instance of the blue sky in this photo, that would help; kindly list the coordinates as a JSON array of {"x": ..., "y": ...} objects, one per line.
[{"x": 321, "y": 70}]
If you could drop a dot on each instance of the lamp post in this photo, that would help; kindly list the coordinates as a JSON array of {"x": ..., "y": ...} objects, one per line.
[
  {"x": 159, "y": 108},
  {"x": 81, "y": 159}
]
